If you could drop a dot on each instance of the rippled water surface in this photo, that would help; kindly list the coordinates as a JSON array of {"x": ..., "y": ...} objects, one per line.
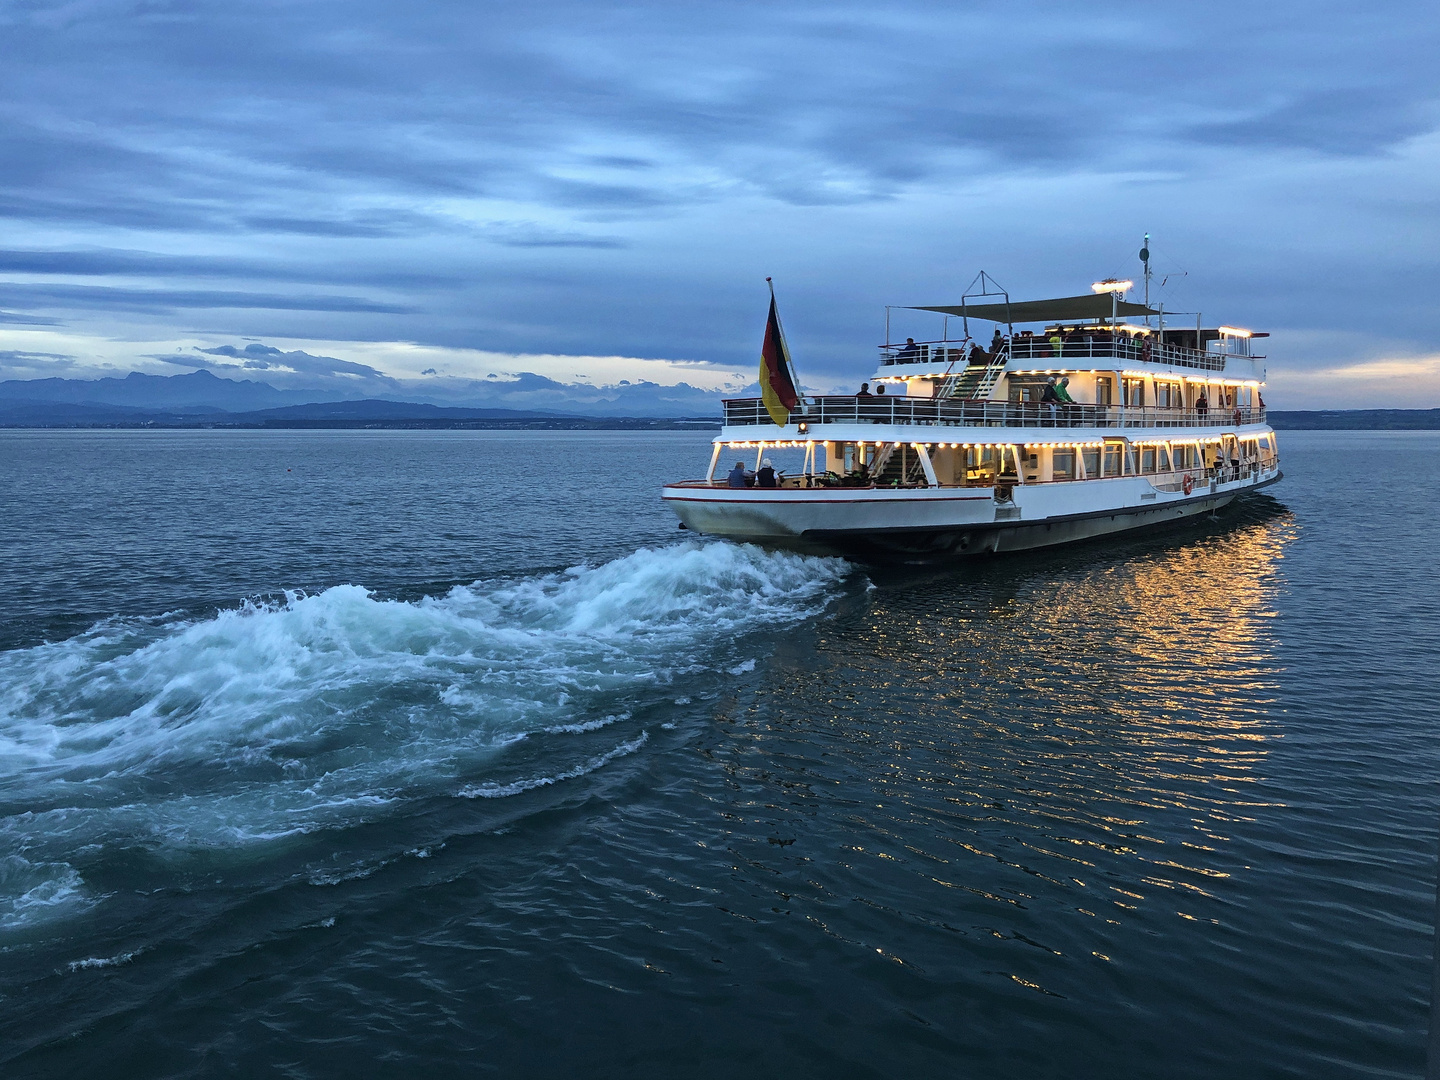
[{"x": 369, "y": 753}]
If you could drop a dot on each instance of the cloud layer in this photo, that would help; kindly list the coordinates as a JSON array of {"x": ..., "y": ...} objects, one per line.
[{"x": 567, "y": 178}]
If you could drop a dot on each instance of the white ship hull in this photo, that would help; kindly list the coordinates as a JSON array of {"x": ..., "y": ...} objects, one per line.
[{"x": 946, "y": 521}]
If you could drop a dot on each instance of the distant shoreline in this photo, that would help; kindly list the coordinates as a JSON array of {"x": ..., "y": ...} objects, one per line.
[
  {"x": 1280, "y": 420},
  {"x": 578, "y": 423}
]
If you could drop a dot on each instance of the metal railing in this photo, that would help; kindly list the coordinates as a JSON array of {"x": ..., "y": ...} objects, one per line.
[
  {"x": 1084, "y": 345},
  {"x": 928, "y": 412},
  {"x": 1169, "y": 480}
]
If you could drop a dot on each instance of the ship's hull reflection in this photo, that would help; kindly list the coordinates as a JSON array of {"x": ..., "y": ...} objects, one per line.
[{"x": 1055, "y": 747}]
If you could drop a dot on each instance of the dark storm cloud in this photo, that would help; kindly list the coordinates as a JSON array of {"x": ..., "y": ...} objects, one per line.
[
  {"x": 169, "y": 300},
  {"x": 111, "y": 262},
  {"x": 1344, "y": 122},
  {"x": 222, "y": 103},
  {"x": 491, "y": 165}
]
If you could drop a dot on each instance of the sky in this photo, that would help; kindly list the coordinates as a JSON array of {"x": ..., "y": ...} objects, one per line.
[{"x": 595, "y": 192}]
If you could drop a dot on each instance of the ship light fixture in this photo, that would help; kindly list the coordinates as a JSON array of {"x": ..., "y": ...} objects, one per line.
[
  {"x": 1110, "y": 285},
  {"x": 1234, "y": 331}
]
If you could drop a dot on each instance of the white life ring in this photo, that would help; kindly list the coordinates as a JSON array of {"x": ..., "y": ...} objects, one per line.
[{"x": 1188, "y": 484}]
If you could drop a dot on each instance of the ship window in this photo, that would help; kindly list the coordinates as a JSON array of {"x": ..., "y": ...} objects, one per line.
[
  {"x": 1104, "y": 390},
  {"x": 1132, "y": 461},
  {"x": 1164, "y": 460},
  {"x": 1026, "y": 387},
  {"x": 1062, "y": 464},
  {"x": 1133, "y": 391},
  {"x": 1264, "y": 442},
  {"x": 1112, "y": 459},
  {"x": 1091, "y": 457},
  {"x": 1147, "y": 459}
]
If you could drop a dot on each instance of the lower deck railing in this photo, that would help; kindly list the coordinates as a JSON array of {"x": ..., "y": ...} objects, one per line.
[
  {"x": 1165, "y": 480},
  {"x": 881, "y": 409}
]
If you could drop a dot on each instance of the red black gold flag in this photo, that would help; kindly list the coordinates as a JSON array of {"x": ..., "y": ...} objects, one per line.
[{"x": 777, "y": 383}]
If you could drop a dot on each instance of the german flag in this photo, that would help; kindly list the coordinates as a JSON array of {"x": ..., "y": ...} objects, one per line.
[{"x": 777, "y": 381}]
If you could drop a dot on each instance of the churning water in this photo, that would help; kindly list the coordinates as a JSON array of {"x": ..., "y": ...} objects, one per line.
[{"x": 375, "y": 752}]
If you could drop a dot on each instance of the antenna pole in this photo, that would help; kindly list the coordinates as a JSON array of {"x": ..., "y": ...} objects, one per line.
[{"x": 1145, "y": 259}]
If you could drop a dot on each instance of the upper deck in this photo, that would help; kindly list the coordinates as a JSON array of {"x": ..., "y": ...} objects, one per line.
[{"x": 1077, "y": 347}]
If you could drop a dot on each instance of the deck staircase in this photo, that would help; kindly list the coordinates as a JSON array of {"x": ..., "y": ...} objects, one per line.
[
  {"x": 897, "y": 464},
  {"x": 977, "y": 380},
  {"x": 881, "y": 465}
]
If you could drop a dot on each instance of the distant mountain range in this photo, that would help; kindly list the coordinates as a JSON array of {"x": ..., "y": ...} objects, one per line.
[
  {"x": 204, "y": 399},
  {"x": 201, "y": 398}
]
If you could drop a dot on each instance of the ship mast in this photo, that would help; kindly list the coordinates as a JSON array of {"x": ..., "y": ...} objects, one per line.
[{"x": 1145, "y": 259}]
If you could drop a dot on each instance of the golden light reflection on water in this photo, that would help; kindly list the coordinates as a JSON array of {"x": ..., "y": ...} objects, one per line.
[{"x": 1092, "y": 721}]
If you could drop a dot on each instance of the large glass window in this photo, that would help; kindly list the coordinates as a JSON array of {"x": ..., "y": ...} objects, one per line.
[
  {"x": 1104, "y": 390},
  {"x": 1133, "y": 391},
  {"x": 1147, "y": 459},
  {"x": 1091, "y": 458},
  {"x": 1062, "y": 464},
  {"x": 1168, "y": 395},
  {"x": 1113, "y": 466}
]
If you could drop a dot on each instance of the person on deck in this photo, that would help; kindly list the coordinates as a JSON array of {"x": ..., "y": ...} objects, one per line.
[
  {"x": 996, "y": 342},
  {"x": 865, "y": 411},
  {"x": 1214, "y": 458},
  {"x": 1202, "y": 406},
  {"x": 1057, "y": 342},
  {"x": 1062, "y": 392},
  {"x": 765, "y": 478},
  {"x": 739, "y": 476},
  {"x": 909, "y": 353},
  {"x": 1050, "y": 398}
]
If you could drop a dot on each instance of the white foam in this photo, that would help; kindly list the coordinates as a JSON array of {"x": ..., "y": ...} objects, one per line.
[
  {"x": 323, "y": 710},
  {"x": 34, "y": 892},
  {"x": 500, "y": 791},
  {"x": 104, "y": 962}
]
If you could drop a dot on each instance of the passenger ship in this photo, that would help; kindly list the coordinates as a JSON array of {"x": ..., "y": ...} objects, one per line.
[{"x": 959, "y": 454}]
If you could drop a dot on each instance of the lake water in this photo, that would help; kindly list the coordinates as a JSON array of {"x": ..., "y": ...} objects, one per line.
[{"x": 371, "y": 753}]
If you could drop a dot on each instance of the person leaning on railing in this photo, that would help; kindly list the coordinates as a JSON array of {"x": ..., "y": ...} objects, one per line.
[{"x": 1067, "y": 403}]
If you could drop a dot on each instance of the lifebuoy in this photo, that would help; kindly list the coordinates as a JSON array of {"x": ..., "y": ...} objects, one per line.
[{"x": 1188, "y": 484}]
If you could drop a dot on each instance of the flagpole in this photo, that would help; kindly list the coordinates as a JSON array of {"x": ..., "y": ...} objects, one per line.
[{"x": 789, "y": 362}]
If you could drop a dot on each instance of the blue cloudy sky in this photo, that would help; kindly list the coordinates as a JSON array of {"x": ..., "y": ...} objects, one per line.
[{"x": 432, "y": 193}]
